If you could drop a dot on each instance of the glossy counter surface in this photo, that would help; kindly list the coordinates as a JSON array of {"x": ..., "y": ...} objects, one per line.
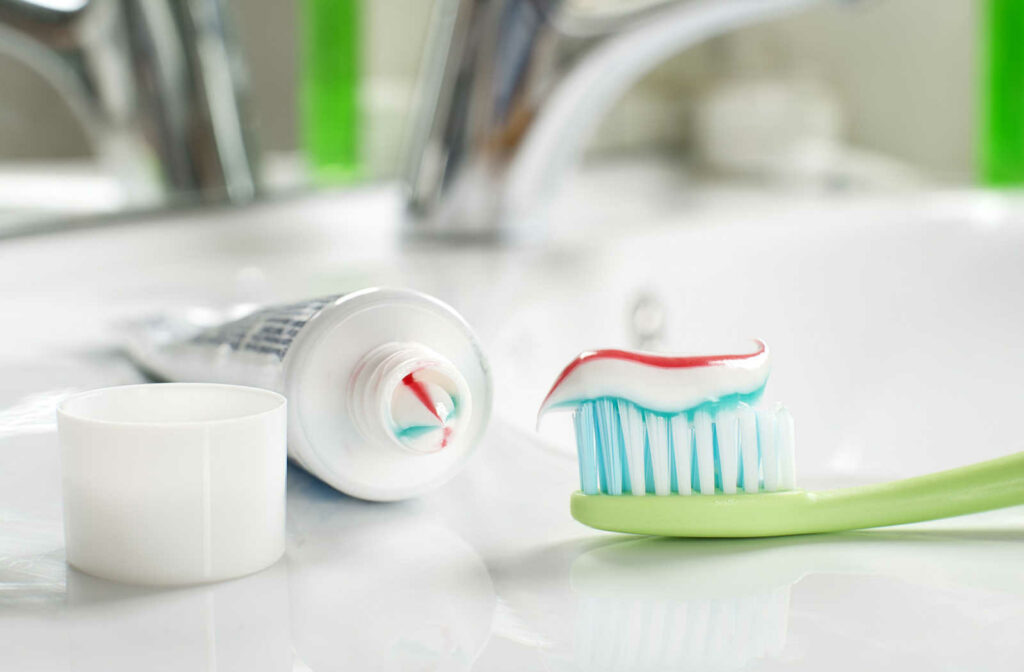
[{"x": 896, "y": 331}]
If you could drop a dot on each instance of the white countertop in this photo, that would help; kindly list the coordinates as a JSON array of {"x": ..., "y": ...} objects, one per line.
[{"x": 490, "y": 573}]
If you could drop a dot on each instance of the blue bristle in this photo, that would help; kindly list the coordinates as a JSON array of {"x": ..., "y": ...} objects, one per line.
[
  {"x": 648, "y": 467},
  {"x": 718, "y": 458},
  {"x": 694, "y": 474},
  {"x": 621, "y": 443},
  {"x": 586, "y": 446},
  {"x": 672, "y": 475}
]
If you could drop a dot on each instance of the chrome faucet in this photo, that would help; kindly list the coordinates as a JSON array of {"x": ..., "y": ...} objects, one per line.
[
  {"x": 157, "y": 84},
  {"x": 514, "y": 87}
]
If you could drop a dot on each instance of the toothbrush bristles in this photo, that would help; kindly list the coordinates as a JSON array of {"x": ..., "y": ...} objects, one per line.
[{"x": 626, "y": 449}]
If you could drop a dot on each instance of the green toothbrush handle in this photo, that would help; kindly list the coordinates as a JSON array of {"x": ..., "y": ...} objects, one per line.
[{"x": 978, "y": 487}]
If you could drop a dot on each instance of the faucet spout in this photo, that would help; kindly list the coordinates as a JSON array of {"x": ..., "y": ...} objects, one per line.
[
  {"x": 522, "y": 85},
  {"x": 157, "y": 85}
]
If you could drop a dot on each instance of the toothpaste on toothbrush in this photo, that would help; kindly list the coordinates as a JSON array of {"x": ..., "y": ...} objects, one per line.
[
  {"x": 664, "y": 424},
  {"x": 662, "y": 383},
  {"x": 388, "y": 391}
]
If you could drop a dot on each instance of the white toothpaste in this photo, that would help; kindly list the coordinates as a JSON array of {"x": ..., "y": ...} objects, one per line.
[
  {"x": 661, "y": 383},
  {"x": 388, "y": 391}
]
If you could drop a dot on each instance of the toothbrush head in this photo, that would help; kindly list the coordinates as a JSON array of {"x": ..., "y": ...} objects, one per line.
[
  {"x": 720, "y": 465},
  {"x": 725, "y": 448},
  {"x": 672, "y": 427}
]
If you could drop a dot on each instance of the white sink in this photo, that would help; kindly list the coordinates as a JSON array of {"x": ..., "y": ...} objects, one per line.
[{"x": 895, "y": 325}]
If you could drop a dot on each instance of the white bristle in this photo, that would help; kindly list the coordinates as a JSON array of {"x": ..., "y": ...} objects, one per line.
[
  {"x": 785, "y": 448},
  {"x": 657, "y": 439},
  {"x": 748, "y": 448},
  {"x": 769, "y": 458},
  {"x": 632, "y": 422},
  {"x": 738, "y": 449},
  {"x": 682, "y": 448},
  {"x": 728, "y": 449},
  {"x": 704, "y": 441}
]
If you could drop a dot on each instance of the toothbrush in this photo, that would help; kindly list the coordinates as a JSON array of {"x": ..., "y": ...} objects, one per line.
[{"x": 690, "y": 431}]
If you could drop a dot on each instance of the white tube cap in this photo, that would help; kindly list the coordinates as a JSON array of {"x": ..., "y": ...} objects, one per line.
[{"x": 177, "y": 483}]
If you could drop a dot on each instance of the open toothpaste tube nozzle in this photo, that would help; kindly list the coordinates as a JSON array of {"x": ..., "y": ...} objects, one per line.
[{"x": 388, "y": 390}]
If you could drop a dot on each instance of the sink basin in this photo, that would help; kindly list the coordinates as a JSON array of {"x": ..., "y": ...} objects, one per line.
[
  {"x": 894, "y": 324},
  {"x": 895, "y": 333}
]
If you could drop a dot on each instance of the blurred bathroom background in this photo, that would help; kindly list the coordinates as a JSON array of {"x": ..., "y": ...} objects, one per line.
[{"x": 876, "y": 94}]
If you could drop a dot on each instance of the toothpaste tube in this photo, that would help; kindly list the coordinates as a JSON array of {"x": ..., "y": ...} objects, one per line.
[{"x": 388, "y": 391}]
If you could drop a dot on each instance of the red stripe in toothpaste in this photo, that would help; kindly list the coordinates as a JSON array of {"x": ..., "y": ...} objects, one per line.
[
  {"x": 420, "y": 392},
  {"x": 650, "y": 359}
]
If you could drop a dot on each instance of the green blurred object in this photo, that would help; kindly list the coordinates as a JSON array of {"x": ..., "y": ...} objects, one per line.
[
  {"x": 1001, "y": 146},
  {"x": 330, "y": 89}
]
